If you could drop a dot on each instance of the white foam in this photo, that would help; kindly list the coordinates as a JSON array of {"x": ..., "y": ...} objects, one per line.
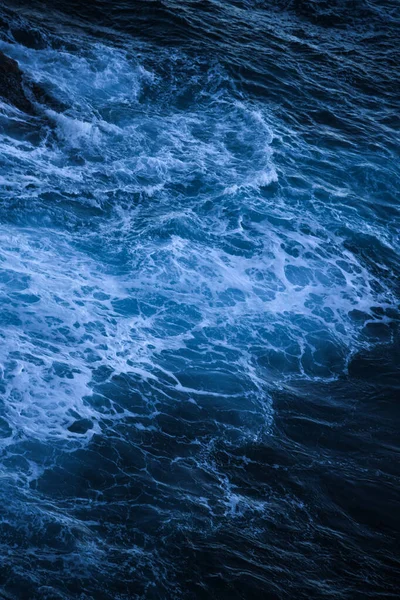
[{"x": 184, "y": 227}]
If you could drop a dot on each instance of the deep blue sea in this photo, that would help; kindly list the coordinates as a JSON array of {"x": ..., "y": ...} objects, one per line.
[{"x": 200, "y": 301}]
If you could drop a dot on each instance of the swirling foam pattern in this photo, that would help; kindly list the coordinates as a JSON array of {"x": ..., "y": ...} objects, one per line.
[{"x": 199, "y": 296}]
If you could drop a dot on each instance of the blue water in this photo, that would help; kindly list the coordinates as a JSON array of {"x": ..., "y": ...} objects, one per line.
[{"x": 199, "y": 287}]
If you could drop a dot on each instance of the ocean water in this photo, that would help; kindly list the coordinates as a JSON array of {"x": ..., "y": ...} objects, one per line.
[{"x": 199, "y": 287}]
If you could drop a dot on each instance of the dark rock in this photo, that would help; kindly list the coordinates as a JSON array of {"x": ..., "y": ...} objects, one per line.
[
  {"x": 31, "y": 38},
  {"x": 21, "y": 92},
  {"x": 12, "y": 85}
]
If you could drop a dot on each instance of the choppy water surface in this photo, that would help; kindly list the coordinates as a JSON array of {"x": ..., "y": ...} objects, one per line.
[{"x": 199, "y": 279}]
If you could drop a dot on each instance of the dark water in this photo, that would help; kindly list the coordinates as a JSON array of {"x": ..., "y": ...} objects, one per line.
[{"x": 199, "y": 279}]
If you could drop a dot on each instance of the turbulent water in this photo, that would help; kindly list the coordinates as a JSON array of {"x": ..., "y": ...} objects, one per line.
[{"x": 199, "y": 287}]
